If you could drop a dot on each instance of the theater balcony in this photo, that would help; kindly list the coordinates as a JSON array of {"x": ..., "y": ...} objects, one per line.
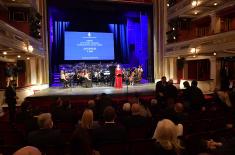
[
  {"x": 223, "y": 44},
  {"x": 196, "y": 8}
]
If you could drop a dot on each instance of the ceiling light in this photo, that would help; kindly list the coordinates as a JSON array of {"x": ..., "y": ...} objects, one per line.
[
  {"x": 4, "y": 53},
  {"x": 214, "y": 53},
  {"x": 215, "y": 3},
  {"x": 13, "y": 0},
  {"x": 194, "y": 3},
  {"x": 18, "y": 56},
  {"x": 30, "y": 48},
  {"x": 168, "y": 4},
  {"x": 174, "y": 37},
  {"x": 196, "y": 12},
  {"x": 193, "y": 50},
  {"x": 194, "y": 56},
  {"x": 173, "y": 28},
  {"x": 178, "y": 57},
  {"x": 28, "y": 58}
]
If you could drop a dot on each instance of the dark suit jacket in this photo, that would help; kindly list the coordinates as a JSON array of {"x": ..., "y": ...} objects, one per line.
[
  {"x": 197, "y": 98},
  {"x": 45, "y": 137},
  {"x": 108, "y": 133},
  {"x": 160, "y": 88},
  {"x": 10, "y": 96}
]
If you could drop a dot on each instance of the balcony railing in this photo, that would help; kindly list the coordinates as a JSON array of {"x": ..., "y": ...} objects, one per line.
[
  {"x": 13, "y": 38},
  {"x": 215, "y": 43}
]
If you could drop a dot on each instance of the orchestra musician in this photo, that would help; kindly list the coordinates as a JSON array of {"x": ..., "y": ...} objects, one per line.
[
  {"x": 132, "y": 78},
  {"x": 64, "y": 78},
  {"x": 139, "y": 73},
  {"x": 88, "y": 81}
]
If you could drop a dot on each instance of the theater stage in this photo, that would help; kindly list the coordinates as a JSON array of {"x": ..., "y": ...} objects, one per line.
[{"x": 140, "y": 89}]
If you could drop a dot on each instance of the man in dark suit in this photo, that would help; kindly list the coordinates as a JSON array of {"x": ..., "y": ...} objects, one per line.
[
  {"x": 197, "y": 98},
  {"x": 45, "y": 136},
  {"x": 112, "y": 74},
  {"x": 110, "y": 131},
  {"x": 160, "y": 91},
  {"x": 10, "y": 99}
]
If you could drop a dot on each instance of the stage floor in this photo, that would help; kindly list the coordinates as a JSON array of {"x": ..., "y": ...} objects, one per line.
[{"x": 141, "y": 89}]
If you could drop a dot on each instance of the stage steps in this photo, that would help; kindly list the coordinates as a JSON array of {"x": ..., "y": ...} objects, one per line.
[{"x": 56, "y": 79}]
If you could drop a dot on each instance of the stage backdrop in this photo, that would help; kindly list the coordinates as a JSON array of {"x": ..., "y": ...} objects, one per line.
[{"x": 131, "y": 27}]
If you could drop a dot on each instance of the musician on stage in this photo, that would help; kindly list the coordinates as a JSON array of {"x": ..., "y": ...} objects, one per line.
[
  {"x": 64, "y": 79},
  {"x": 118, "y": 77},
  {"x": 88, "y": 81}
]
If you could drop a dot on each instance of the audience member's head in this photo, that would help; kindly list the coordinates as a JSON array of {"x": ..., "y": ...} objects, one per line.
[
  {"x": 179, "y": 107},
  {"x": 28, "y": 150},
  {"x": 126, "y": 107},
  {"x": 194, "y": 83},
  {"x": 166, "y": 134},
  {"x": 170, "y": 82},
  {"x": 153, "y": 102},
  {"x": 45, "y": 121},
  {"x": 87, "y": 119},
  {"x": 135, "y": 109},
  {"x": 186, "y": 84},
  {"x": 109, "y": 114},
  {"x": 163, "y": 79},
  {"x": 91, "y": 104}
]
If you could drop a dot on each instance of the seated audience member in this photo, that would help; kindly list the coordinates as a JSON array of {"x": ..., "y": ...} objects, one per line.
[
  {"x": 28, "y": 150},
  {"x": 62, "y": 111},
  {"x": 80, "y": 143},
  {"x": 87, "y": 121},
  {"x": 25, "y": 112},
  {"x": 136, "y": 119},
  {"x": 103, "y": 101},
  {"x": 144, "y": 110},
  {"x": 45, "y": 135},
  {"x": 126, "y": 108},
  {"x": 110, "y": 131},
  {"x": 167, "y": 142},
  {"x": 177, "y": 114}
]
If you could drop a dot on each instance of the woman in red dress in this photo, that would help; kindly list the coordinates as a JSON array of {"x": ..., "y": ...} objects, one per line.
[{"x": 118, "y": 77}]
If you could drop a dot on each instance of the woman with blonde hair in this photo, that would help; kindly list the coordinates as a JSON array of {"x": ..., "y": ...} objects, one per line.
[
  {"x": 87, "y": 121},
  {"x": 167, "y": 142}
]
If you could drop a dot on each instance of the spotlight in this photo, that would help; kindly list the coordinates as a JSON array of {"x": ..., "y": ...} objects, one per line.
[
  {"x": 174, "y": 37},
  {"x": 4, "y": 53},
  {"x": 196, "y": 12},
  {"x": 168, "y": 4},
  {"x": 28, "y": 58},
  {"x": 194, "y": 56},
  {"x": 18, "y": 56},
  {"x": 178, "y": 57},
  {"x": 214, "y": 53},
  {"x": 173, "y": 28},
  {"x": 215, "y": 4}
]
